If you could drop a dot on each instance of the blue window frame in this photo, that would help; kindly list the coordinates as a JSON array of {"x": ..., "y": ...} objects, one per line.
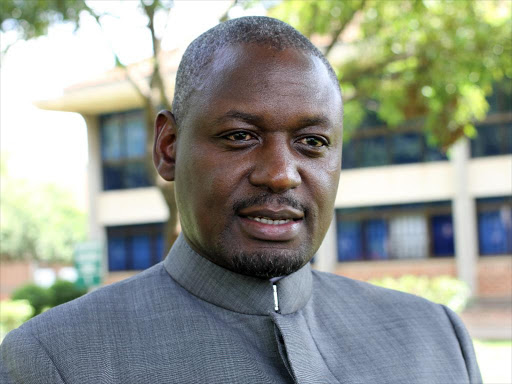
[
  {"x": 349, "y": 241},
  {"x": 123, "y": 148},
  {"x": 134, "y": 247},
  {"x": 495, "y": 231},
  {"x": 442, "y": 233},
  {"x": 406, "y": 231},
  {"x": 376, "y": 239}
]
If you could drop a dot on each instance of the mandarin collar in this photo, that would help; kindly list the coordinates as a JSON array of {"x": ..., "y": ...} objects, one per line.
[{"x": 232, "y": 291}]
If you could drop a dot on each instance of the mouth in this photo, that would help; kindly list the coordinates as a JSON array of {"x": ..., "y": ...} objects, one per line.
[
  {"x": 271, "y": 223},
  {"x": 268, "y": 220}
]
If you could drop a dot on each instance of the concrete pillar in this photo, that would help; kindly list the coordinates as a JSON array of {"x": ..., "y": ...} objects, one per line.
[
  {"x": 94, "y": 183},
  {"x": 326, "y": 256},
  {"x": 464, "y": 217},
  {"x": 96, "y": 232}
]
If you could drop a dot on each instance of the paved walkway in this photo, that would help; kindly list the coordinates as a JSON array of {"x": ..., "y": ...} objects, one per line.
[{"x": 489, "y": 319}]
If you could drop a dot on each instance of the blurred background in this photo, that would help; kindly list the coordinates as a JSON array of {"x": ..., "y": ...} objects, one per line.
[{"x": 425, "y": 198}]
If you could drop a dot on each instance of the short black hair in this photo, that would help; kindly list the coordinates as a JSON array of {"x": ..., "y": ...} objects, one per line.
[{"x": 251, "y": 29}]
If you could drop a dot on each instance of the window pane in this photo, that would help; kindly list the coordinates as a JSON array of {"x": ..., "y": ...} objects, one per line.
[
  {"x": 408, "y": 237},
  {"x": 487, "y": 142},
  {"x": 433, "y": 153},
  {"x": 349, "y": 240},
  {"x": 507, "y": 138},
  {"x": 160, "y": 247},
  {"x": 112, "y": 177},
  {"x": 407, "y": 148},
  {"x": 376, "y": 238},
  {"x": 495, "y": 231},
  {"x": 141, "y": 251},
  {"x": 135, "y": 134},
  {"x": 349, "y": 154},
  {"x": 442, "y": 231},
  {"x": 116, "y": 254},
  {"x": 374, "y": 151},
  {"x": 111, "y": 146},
  {"x": 135, "y": 175}
]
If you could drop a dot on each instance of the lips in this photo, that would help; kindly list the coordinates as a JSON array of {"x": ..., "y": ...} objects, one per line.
[
  {"x": 271, "y": 223},
  {"x": 272, "y": 213},
  {"x": 267, "y": 220}
]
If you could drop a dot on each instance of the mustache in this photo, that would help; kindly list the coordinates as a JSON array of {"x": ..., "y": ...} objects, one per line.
[{"x": 269, "y": 199}]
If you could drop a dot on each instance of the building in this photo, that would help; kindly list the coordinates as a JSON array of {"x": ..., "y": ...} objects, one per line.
[{"x": 402, "y": 206}]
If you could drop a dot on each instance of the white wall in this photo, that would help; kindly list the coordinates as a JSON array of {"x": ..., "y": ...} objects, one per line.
[
  {"x": 409, "y": 183},
  {"x": 131, "y": 206}
]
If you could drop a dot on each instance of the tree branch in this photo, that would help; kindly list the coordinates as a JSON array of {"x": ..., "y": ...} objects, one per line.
[
  {"x": 225, "y": 15},
  {"x": 156, "y": 77},
  {"x": 119, "y": 64},
  {"x": 342, "y": 28}
]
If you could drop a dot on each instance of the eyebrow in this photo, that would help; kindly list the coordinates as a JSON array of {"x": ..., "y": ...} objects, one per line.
[
  {"x": 313, "y": 120},
  {"x": 258, "y": 120},
  {"x": 237, "y": 115}
]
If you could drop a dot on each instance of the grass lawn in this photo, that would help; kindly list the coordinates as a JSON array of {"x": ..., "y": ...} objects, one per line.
[{"x": 495, "y": 360}]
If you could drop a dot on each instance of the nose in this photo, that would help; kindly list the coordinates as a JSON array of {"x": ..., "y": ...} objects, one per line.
[{"x": 275, "y": 168}]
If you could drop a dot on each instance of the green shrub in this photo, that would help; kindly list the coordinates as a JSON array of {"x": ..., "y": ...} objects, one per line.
[
  {"x": 13, "y": 313},
  {"x": 37, "y": 296},
  {"x": 441, "y": 289},
  {"x": 43, "y": 298},
  {"x": 63, "y": 291}
]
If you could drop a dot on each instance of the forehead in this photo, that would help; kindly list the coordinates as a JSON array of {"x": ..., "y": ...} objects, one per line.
[{"x": 262, "y": 80}]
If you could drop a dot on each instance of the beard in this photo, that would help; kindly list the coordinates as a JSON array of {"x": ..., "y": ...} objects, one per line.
[{"x": 265, "y": 263}]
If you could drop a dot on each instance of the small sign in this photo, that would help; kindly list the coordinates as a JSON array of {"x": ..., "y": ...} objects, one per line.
[{"x": 88, "y": 263}]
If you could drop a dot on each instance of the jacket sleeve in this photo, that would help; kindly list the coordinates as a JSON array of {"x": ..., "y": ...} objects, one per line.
[
  {"x": 23, "y": 359},
  {"x": 466, "y": 346}
]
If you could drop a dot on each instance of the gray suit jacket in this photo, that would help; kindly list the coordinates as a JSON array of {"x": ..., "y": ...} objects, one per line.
[{"x": 187, "y": 320}]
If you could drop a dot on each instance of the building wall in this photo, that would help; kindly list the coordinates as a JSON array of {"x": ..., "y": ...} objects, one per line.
[
  {"x": 494, "y": 273},
  {"x": 424, "y": 182},
  {"x": 412, "y": 183}
]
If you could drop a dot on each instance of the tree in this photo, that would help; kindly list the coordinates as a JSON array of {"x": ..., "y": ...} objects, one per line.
[
  {"x": 39, "y": 221},
  {"x": 32, "y": 18},
  {"x": 432, "y": 61},
  {"x": 403, "y": 59}
]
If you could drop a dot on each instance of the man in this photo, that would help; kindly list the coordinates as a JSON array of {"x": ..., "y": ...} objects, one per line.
[{"x": 254, "y": 147}]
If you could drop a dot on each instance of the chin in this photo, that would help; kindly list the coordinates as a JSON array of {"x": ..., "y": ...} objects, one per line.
[{"x": 265, "y": 263}]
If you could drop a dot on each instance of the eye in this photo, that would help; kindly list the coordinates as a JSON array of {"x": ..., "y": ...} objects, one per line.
[
  {"x": 314, "y": 141},
  {"x": 239, "y": 136}
]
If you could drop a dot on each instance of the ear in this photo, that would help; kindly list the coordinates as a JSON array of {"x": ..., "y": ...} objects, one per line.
[{"x": 164, "y": 149}]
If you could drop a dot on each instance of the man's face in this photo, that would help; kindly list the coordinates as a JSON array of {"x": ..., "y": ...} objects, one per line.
[{"x": 258, "y": 160}]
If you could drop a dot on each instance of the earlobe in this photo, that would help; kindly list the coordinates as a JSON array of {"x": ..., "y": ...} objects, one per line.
[{"x": 164, "y": 149}]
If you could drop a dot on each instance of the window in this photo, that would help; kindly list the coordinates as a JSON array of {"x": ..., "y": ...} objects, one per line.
[
  {"x": 376, "y": 239},
  {"x": 407, "y": 148},
  {"x": 374, "y": 151},
  {"x": 123, "y": 148},
  {"x": 384, "y": 147},
  {"x": 134, "y": 247},
  {"x": 408, "y": 237},
  {"x": 492, "y": 139},
  {"x": 442, "y": 232},
  {"x": 349, "y": 241},
  {"x": 495, "y": 136},
  {"x": 409, "y": 231},
  {"x": 495, "y": 226}
]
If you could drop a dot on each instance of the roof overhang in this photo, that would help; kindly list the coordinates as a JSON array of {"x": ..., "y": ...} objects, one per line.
[{"x": 96, "y": 99}]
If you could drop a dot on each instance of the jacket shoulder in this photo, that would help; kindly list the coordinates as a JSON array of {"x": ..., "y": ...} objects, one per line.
[
  {"x": 100, "y": 305},
  {"x": 23, "y": 359},
  {"x": 350, "y": 290}
]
